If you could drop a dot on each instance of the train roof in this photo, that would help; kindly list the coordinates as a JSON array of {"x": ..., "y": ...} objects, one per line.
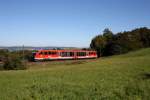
[{"x": 65, "y": 50}]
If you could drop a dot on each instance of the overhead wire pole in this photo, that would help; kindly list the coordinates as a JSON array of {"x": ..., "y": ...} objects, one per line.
[{"x": 23, "y": 53}]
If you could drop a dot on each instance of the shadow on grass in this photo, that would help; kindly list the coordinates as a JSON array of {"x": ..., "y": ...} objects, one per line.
[
  {"x": 146, "y": 76},
  {"x": 75, "y": 62}
]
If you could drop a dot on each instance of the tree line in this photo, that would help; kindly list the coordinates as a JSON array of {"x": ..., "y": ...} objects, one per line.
[{"x": 110, "y": 43}]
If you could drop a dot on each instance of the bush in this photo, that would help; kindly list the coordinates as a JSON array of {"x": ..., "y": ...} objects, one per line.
[
  {"x": 14, "y": 63},
  {"x": 1, "y": 66},
  {"x": 26, "y": 54}
]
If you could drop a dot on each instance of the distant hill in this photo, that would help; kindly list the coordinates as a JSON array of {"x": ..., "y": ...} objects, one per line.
[{"x": 15, "y": 48}]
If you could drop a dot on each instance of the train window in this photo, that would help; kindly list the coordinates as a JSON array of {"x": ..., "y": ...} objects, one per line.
[
  {"x": 40, "y": 53},
  {"x": 71, "y": 53},
  {"x": 67, "y": 54},
  {"x": 45, "y": 53},
  {"x": 49, "y": 53},
  {"x": 53, "y": 53},
  {"x": 84, "y": 53},
  {"x": 64, "y": 54},
  {"x": 78, "y": 53},
  {"x": 81, "y": 53}
]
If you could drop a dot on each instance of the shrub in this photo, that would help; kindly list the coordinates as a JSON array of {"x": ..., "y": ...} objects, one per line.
[
  {"x": 14, "y": 63},
  {"x": 1, "y": 66}
]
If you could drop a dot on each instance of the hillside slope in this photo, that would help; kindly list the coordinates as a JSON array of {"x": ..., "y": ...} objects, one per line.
[{"x": 125, "y": 77}]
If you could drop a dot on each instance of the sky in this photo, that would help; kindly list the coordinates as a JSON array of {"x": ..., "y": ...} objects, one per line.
[{"x": 67, "y": 23}]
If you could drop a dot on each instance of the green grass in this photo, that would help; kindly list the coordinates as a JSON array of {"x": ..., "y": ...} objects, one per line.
[{"x": 122, "y": 77}]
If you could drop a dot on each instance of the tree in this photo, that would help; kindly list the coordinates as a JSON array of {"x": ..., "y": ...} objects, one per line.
[
  {"x": 108, "y": 34},
  {"x": 98, "y": 43},
  {"x": 145, "y": 36},
  {"x": 113, "y": 49},
  {"x": 3, "y": 52}
]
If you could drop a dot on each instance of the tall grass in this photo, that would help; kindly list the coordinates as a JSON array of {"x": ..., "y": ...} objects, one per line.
[{"x": 123, "y": 77}]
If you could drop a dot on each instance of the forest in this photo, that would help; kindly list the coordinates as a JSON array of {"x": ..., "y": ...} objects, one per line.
[{"x": 109, "y": 43}]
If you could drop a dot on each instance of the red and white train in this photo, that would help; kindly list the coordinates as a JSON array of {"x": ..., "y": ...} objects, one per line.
[{"x": 64, "y": 54}]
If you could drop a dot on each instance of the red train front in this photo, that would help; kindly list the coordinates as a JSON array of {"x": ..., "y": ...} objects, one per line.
[{"x": 64, "y": 54}]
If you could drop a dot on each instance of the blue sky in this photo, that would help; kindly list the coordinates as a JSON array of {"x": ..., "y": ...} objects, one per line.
[{"x": 67, "y": 22}]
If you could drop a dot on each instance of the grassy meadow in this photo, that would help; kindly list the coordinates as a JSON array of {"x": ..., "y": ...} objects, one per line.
[{"x": 122, "y": 77}]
